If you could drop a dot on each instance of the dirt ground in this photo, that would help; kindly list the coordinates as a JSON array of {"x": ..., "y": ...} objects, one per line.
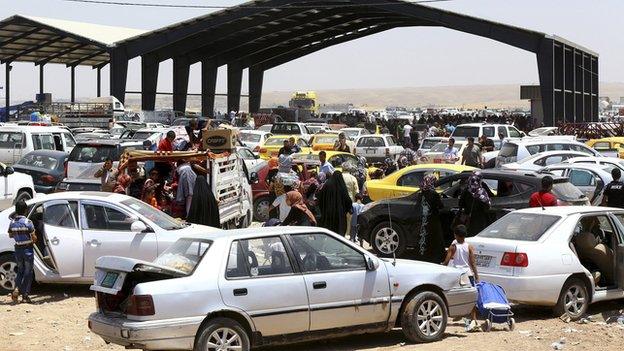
[{"x": 57, "y": 321}]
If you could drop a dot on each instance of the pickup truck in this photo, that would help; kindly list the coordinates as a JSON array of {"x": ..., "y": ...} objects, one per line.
[
  {"x": 14, "y": 186},
  {"x": 291, "y": 128}
]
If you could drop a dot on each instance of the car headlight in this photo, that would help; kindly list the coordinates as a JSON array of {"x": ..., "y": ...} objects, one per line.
[{"x": 464, "y": 280}]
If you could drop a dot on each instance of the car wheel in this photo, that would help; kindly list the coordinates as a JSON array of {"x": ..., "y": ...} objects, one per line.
[
  {"x": 424, "y": 317},
  {"x": 8, "y": 273},
  {"x": 261, "y": 209},
  {"x": 388, "y": 240},
  {"x": 222, "y": 334},
  {"x": 22, "y": 195},
  {"x": 573, "y": 300}
]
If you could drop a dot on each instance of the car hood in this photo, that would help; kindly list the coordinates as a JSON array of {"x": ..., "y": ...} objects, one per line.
[{"x": 416, "y": 272}]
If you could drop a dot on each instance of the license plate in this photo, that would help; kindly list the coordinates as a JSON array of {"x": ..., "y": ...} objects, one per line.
[
  {"x": 483, "y": 260},
  {"x": 370, "y": 151},
  {"x": 109, "y": 279}
]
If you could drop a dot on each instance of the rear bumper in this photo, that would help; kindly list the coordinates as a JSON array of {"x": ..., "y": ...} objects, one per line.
[
  {"x": 168, "y": 334},
  {"x": 461, "y": 301},
  {"x": 541, "y": 291}
]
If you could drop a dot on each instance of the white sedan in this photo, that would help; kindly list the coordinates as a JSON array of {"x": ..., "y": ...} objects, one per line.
[
  {"x": 594, "y": 160},
  {"x": 540, "y": 160},
  {"x": 563, "y": 257},
  {"x": 238, "y": 289},
  {"x": 76, "y": 228}
]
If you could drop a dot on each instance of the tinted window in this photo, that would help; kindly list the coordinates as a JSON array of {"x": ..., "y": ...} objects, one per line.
[
  {"x": 160, "y": 218},
  {"x": 503, "y": 131},
  {"x": 508, "y": 150},
  {"x": 582, "y": 178},
  {"x": 286, "y": 129},
  {"x": 414, "y": 179},
  {"x": 581, "y": 148},
  {"x": 93, "y": 153},
  {"x": 257, "y": 258},
  {"x": 59, "y": 216},
  {"x": 371, "y": 142},
  {"x": 39, "y": 161},
  {"x": 321, "y": 252},
  {"x": 43, "y": 142},
  {"x": 520, "y": 226},
  {"x": 391, "y": 141},
  {"x": 514, "y": 133},
  {"x": 488, "y": 132},
  {"x": 602, "y": 146},
  {"x": 465, "y": 131},
  {"x": 69, "y": 140},
  {"x": 8, "y": 140},
  {"x": 105, "y": 218}
]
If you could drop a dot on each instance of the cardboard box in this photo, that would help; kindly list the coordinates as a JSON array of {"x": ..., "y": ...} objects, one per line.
[{"x": 219, "y": 139}]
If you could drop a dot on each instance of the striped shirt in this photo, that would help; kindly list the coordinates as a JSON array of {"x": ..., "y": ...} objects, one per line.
[{"x": 21, "y": 229}]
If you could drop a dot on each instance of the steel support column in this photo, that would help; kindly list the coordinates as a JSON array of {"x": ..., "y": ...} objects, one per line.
[
  {"x": 118, "y": 74},
  {"x": 181, "y": 67},
  {"x": 234, "y": 82},
  {"x": 99, "y": 82},
  {"x": 7, "y": 91},
  {"x": 545, "y": 66},
  {"x": 256, "y": 76},
  {"x": 41, "y": 79},
  {"x": 73, "y": 84},
  {"x": 209, "y": 71},
  {"x": 149, "y": 81}
]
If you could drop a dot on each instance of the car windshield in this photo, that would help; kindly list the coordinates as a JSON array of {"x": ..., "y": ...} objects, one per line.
[
  {"x": 288, "y": 129},
  {"x": 94, "y": 153},
  {"x": 439, "y": 147},
  {"x": 252, "y": 138},
  {"x": 275, "y": 141},
  {"x": 157, "y": 217},
  {"x": 142, "y": 135},
  {"x": 326, "y": 139},
  {"x": 39, "y": 161},
  {"x": 315, "y": 129},
  {"x": 465, "y": 131},
  {"x": 520, "y": 226},
  {"x": 184, "y": 255},
  {"x": 351, "y": 133},
  {"x": 429, "y": 143},
  {"x": 566, "y": 191}
]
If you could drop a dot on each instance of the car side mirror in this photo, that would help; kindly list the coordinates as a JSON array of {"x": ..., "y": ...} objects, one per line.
[
  {"x": 522, "y": 134},
  {"x": 372, "y": 264},
  {"x": 8, "y": 171},
  {"x": 138, "y": 227},
  {"x": 253, "y": 178}
]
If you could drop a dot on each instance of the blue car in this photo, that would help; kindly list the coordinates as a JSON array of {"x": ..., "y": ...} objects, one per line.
[{"x": 46, "y": 167}]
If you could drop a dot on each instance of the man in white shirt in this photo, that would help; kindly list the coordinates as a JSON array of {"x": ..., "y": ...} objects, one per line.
[
  {"x": 451, "y": 153},
  {"x": 407, "y": 130}
]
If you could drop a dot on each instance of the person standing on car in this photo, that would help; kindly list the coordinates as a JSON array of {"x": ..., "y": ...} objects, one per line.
[
  {"x": 22, "y": 230},
  {"x": 544, "y": 197},
  {"x": 613, "y": 195},
  {"x": 471, "y": 156},
  {"x": 474, "y": 203}
]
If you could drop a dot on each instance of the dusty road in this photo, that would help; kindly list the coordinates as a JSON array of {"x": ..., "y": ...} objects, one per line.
[{"x": 58, "y": 322}]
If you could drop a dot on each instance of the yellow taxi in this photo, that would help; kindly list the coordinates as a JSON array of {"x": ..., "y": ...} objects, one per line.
[
  {"x": 407, "y": 180},
  {"x": 326, "y": 142},
  {"x": 271, "y": 146},
  {"x": 335, "y": 158},
  {"x": 614, "y": 145}
]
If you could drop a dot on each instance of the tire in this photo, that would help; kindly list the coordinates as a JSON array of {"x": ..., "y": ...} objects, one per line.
[
  {"x": 22, "y": 195},
  {"x": 512, "y": 324},
  {"x": 573, "y": 299},
  {"x": 261, "y": 209},
  {"x": 426, "y": 307},
  {"x": 386, "y": 240},
  {"x": 213, "y": 331},
  {"x": 8, "y": 273}
]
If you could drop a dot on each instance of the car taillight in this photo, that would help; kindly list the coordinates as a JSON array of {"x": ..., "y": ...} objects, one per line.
[
  {"x": 515, "y": 259},
  {"x": 141, "y": 305},
  {"x": 65, "y": 168},
  {"x": 47, "y": 179}
]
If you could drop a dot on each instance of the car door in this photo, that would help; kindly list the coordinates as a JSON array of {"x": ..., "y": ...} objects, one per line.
[
  {"x": 341, "y": 291},
  {"x": 619, "y": 250},
  {"x": 106, "y": 231},
  {"x": 262, "y": 280},
  {"x": 63, "y": 237},
  {"x": 251, "y": 162}
]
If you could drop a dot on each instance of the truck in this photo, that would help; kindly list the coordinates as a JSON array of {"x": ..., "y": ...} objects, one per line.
[{"x": 304, "y": 100}]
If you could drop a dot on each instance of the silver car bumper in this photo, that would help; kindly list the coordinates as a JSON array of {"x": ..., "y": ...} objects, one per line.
[
  {"x": 168, "y": 334},
  {"x": 460, "y": 301}
]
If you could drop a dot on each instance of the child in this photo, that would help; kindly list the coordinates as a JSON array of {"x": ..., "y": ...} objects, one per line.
[
  {"x": 150, "y": 197},
  {"x": 461, "y": 255},
  {"x": 357, "y": 209}
]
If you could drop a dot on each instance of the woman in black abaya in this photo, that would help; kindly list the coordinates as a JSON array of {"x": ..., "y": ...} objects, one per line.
[
  {"x": 334, "y": 204},
  {"x": 204, "y": 207},
  {"x": 430, "y": 244}
]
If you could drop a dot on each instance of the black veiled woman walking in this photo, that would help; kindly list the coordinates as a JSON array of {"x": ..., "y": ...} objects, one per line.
[
  {"x": 474, "y": 203},
  {"x": 334, "y": 204},
  {"x": 430, "y": 244},
  {"x": 204, "y": 207}
]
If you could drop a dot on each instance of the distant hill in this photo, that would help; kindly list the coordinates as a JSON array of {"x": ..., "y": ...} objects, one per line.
[{"x": 476, "y": 96}]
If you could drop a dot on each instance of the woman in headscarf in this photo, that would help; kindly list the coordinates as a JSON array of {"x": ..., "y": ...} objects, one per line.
[
  {"x": 334, "y": 204},
  {"x": 299, "y": 214},
  {"x": 430, "y": 244},
  {"x": 204, "y": 207},
  {"x": 474, "y": 203}
]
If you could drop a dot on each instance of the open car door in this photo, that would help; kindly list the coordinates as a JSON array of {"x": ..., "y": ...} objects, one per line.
[{"x": 63, "y": 238}]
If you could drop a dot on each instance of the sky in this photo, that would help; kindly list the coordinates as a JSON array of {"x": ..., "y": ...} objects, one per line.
[{"x": 407, "y": 57}]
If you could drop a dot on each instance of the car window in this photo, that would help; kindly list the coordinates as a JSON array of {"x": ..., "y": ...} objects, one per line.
[
  {"x": 602, "y": 145},
  {"x": 39, "y": 161},
  {"x": 582, "y": 178},
  {"x": 69, "y": 140},
  {"x": 93, "y": 153},
  {"x": 550, "y": 160},
  {"x": 258, "y": 257},
  {"x": 514, "y": 133},
  {"x": 391, "y": 141},
  {"x": 321, "y": 252},
  {"x": 302, "y": 143},
  {"x": 451, "y": 188},
  {"x": 557, "y": 147},
  {"x": 523, "y": 187},
  {"x": 98, "y": 217},
  {"x": 246, "y": 154},
  {"x": 520, "y": 226},
  {"x": 43, "y": 142},
  {"x": 503, "y": 131},
  {"x": 620, "y": 218},
  {"x": 581, "y": 148},
  {"x": 466, "y": 131},
  {"x": 371, "y": 142},
  {"x": 488, "y": 132},
  {"x": 288, "y": 129},
  {"x": 533, "y": 149},
  {"x": 254, "y": 138},
  {"x": 414, "y": 179},
  {"x": 10, "y": 140},
  {"x": 557, "y": 172},
  {"x": 59, "y": 215},
  {"x": 509, "y": 150}
]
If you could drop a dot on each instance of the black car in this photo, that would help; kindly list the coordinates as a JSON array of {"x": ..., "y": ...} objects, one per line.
[
  {"x": 391, "y": 226},
  {"x": 46, "y": 167}
]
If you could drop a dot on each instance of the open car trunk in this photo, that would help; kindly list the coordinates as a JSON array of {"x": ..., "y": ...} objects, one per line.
[{"x": 116, "y": 277}]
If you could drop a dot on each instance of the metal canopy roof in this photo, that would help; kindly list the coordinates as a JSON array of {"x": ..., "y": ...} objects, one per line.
[{"x": 43, "y": 40}]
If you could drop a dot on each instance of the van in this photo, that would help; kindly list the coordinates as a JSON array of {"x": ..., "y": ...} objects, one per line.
[
  {"x": 16, "y": 141},
  {"x": 491, "y": 131},
  {"x": 516, "y": 149}
]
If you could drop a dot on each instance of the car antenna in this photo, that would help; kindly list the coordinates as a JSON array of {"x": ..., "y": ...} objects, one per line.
[{"x": 393, "y": 251}]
